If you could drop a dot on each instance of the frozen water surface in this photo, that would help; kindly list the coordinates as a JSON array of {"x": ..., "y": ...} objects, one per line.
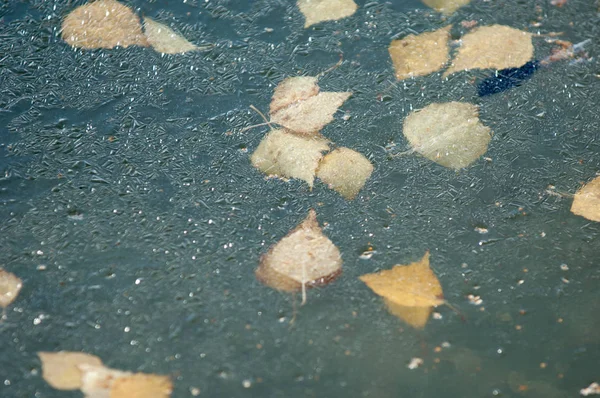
[{"x": 136, "y": 221}]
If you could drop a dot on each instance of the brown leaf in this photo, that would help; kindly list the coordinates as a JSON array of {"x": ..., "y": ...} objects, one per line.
[
  {"x": 494, "y": 47},
  {"x": 409, "y": 291},
  {"x": 446, "y": 7},
  {"x": 345, "y": 171},
  {"x": 316, "y": 11},
  {"x": 419, "y": 55},
  {"x": 449, "y": 134},
  {"x": 10, "y": 286},
  {"x": 61, "y": 369},
  {"x": 305, "y": 257},
  {"x": 298, "y": 105},
  {"x": 283, "y": 154},
  {"x": 164, "y": 40},
  {"x": 102, "y": 24},
  {"x": 586, "y": 202}
]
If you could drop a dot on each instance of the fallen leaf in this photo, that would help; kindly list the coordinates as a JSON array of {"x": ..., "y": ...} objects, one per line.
[
  {"x": 164, "y": 40},
  {"x": 419, "y": 55},
  {"x": 284, "y": 154},
  {"x": 102, "y": 24},
  {"x": 140, "y": 385},
  {"x": 10, "y": 286},
  {"x": 449, "y": 134},
  {"x": 446, "y": 7},
  {"x": 298, "y": 105},
  {"x": 316, "y": 11},
  {"x": 410, "y": 291},
  {"x": 592, "y": 389},
  {"x": 97, "y": 380},
  {"x": 345, "y": 171},
  {"x": 61, "y": 369},
  {"x": 305, "y": 257},
  {"x": 494, "y": 47},
  {"x": 586, "y": 202}
]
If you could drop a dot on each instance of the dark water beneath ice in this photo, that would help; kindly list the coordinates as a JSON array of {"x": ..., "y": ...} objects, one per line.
[{"x": 125, "y": 206}]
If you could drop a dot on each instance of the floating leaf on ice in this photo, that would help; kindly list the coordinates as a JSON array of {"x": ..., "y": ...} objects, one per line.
[
  {"x": 316, "y": 11},
  {"x": 345, "y": 171},
  {"x": 164, "y": 40},
  {"x": 298, "y": 105},
  {"x": 61, "y": 369},
  {"x": 419, "y": 55},
  {"x": 449, "y": 134},
  {"x": 305, "y": 257},
  {"x": 446, "y": 7},
  {"x": 10, "y": 286},
  {"x": 410, "y": 291},
  {"x": 284, "y": 154},
  {"x": 97, "y": 380},
  {"x": 586, "y": 202},
  {"x": 140, "y": 385},
  {"x": 493, "y": 47},
  {"x": 102, "y": 24}
]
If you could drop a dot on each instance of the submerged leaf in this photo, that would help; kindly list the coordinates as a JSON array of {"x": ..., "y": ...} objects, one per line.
[
  {"x": 586, "y": 202},
  {"x": 316, "y": 11},
  {"x": 164, "y": 40},
  {"x": 345, "y": 171},
  {"x": 446, "y": 7},
  {"x": 493, "y": 47},
  {"x": 449, "y": 134},
  {"x": 298, "y": 105},
  {"x": 305, "y": 257},
  {"x": 10, "y": 286},
  {"x": 284, "y": 154},
  {"x": 410, "y": 291},
  {"x": 419, "y": 55},
  {"x": 102, "y": 24},
  {"x": 62, "y": 369}
]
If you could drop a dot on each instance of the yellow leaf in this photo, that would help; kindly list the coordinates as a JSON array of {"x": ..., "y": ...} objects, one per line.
[
  {"x": 419, "y": 55},
  {"x": 586, "y": 202},
  {"x": 410, "y": 291},
  {"x": 495, "y": 47},
  {"x": 61, "y": 369},
  {"x": 283, "y": 154},
  {"x": 449, "y": 134},
  {"x": 164, "y": 40},
  {"x": 102, "y": 24},
  {"x": 141, "y": 385},
  {"x": 446, "y": 7},
  {"x": 345, "y": 171},
  {"x": 316, "y": 11},
  {"x": 10, "y": 286},
  {"x": 305, "y": 257},
  {"x": 298, "y": 105}
]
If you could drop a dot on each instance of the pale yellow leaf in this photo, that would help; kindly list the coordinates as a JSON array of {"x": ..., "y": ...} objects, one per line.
[
  {"x": 345, "y": 171},
  {"x": 316, "y": 11},
  {"x": 283, "y": 154},
  {"x": 140, "y": 385},
  {"x": 493, "y": 47},
  {"x": 10, "y": 286},
  {"x": 61, "y": 369},
  {"x": 102, "y": 24},
  {"x": 97, "y": 380},
  {"x": 586, "y": 202},
  {"x": 446, "y": 7},
  {"x": 449, "y": 134},
  {"x": 164, "y": 40},
  {"x": 419, "y": 55}
]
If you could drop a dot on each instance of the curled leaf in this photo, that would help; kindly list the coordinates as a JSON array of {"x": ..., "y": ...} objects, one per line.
[
  {"x": 305, "y": 257},
  {"x": 102, "y": 24},
  {"x": 284, "y": 154},
  {"x": 449, "y": 134},
  {"x": 419, "y": 55},
  {"x": 62, "y": 369},
  {"x": 586, "y": 202},
  {"x": 345, "y": 171},
  {"x": 409, "y": 291},
  {"x": 164, "y": 39},
  {"x": 316, "y": 11},
  {"x": 495, "y": 47}
]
